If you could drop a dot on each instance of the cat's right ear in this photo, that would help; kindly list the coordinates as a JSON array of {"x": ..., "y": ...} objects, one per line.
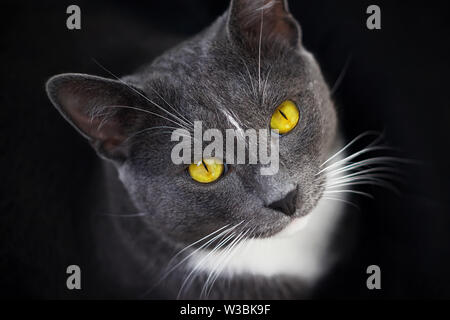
[
  {"x": 101, "y": 110},
  {"x": 262, "y": 24}
]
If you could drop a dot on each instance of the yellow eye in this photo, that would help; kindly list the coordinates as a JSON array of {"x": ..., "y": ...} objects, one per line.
[
  {"x": 285, "y": 117},
  {"x": 206, "y": 170}
]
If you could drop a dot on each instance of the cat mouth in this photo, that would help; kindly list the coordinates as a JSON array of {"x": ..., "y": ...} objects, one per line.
[
  {"x": 293, "y": 227},
  {"x": 294, "y": 215}
]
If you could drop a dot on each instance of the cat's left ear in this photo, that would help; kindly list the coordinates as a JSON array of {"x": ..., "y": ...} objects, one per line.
[{"x": 263, "y": 22}]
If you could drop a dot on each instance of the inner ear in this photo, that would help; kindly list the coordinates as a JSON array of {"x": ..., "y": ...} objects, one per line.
[
  {"x": 263, "y": 22},
  {"x": 102, "y": 110}
]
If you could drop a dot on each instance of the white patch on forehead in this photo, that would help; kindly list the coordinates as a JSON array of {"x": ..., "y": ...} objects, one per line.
[{"x": 232, "y": 119}]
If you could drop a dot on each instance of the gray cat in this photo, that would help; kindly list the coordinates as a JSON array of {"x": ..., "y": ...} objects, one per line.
[{"x": 159, "y": 233}]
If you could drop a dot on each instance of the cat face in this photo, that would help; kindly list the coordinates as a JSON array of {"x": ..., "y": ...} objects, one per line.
[{"x": 233, "y": 75}]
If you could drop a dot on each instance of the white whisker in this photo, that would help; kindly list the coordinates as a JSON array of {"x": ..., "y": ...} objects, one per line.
[
  {"x": 148, "y": 129},
  {"x": 362, "y": 135},
  {"x": 376, "y": 170},
  {"x": 363, "y": 177},
  {"x": 372, "y": 181},
  {"x": 259, "y": 49},
  {"x": 198, "y": 241},
  {"x": 228, "y": 255},
  {"x": 354, "y": 155},
  {"x": 343, "y": 173},
  {"x": 341, "y": 75},
  {"x": 249, "y": 77},
  {"x": 142, "y": 95},
  {"x": 371, "y": 161},
  {"x": 204, "y": 259},
  {"x": 220, "y": 260},
  {"x": 342, "y": 200},
  {"x": 349, "y": 191},
  {"x": 265, "y": 84},
  {"x": 203, "y": 246},
  {"x": 152, "y": 113},
  {"x": 185, "y": 120}
]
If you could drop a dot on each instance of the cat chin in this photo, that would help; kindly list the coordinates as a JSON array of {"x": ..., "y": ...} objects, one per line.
[
  {"x": 300, "y": 221},
  {"x": 299, "y": 250},
  {"x": 293, "y": 227}
]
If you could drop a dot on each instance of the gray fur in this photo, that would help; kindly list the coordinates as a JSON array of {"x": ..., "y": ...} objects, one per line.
[{"x": 216, "y": 70}]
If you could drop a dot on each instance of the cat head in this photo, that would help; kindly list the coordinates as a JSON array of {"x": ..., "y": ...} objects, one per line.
[{"x": 233, "y": 75}]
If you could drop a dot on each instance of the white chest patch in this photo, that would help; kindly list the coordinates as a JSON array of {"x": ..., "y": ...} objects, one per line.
[{"x": 300, "y": 250}]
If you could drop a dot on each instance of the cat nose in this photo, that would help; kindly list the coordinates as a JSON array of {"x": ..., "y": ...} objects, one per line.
[{"x": 287, "y": 205}]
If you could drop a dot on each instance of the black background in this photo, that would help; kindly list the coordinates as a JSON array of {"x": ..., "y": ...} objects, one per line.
[{"x": 396, "y": 81}]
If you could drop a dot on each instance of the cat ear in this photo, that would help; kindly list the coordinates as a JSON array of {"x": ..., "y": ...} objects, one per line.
[
  {"x": 100, "y": 109},
  {"x": 268, "y": 21}
]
